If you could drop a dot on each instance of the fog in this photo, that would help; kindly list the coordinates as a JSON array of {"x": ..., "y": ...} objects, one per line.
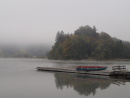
[{"x": 37, "y": 21}]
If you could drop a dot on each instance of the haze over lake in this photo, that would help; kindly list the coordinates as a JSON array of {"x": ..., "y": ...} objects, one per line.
[
  {"x": 28, "y": 29},
  {"x": 20, "y": 79},
  {"x": 38, "y": 21}
]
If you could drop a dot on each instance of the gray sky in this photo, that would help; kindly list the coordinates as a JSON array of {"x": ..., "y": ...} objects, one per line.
[{"x": 37, "y": 21}]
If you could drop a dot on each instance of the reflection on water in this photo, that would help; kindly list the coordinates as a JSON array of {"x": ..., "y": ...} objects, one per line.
[
  {"x": 19, "y": 79},
  {"x": 120, "y": 80},
  {"x": 83, "y": 85},
  {"x": 86, "y": 84}
]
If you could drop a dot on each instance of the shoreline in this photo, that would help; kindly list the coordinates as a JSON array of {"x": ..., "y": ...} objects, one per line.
[{"x": 68, "y": 60}]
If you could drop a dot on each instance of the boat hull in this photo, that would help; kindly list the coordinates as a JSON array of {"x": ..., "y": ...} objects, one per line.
[{"x": 91, "y": 69}]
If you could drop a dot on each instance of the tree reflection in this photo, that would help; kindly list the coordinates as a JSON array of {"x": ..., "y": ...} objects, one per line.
[{"x": 84, "y": 85}]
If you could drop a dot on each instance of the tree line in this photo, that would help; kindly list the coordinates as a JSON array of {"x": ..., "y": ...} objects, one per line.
[
  {"x": 87, "y": 43},
  {"x": 19, "y": 51}
]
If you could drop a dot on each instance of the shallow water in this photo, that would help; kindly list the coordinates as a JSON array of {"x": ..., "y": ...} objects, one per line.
[{"x": 20, "y": 79}]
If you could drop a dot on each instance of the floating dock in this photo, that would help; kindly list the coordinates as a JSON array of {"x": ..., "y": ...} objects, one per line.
[
  {"x": 116, "y": 72},
  {"x": 73, "y": 70}
]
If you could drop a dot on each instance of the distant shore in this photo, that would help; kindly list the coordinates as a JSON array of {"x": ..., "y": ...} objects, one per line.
[{"x": 90, "y": 59}]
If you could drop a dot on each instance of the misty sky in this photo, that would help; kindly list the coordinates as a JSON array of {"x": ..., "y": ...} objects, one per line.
[{"x": 37, "y": 21}]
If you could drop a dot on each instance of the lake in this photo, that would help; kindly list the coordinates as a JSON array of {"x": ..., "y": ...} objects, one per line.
[{"x": 20, "y": 79}]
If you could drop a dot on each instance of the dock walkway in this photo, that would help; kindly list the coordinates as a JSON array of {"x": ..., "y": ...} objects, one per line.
[
  {"x": 114, "y": 72},
  {"x": 73, "y": 70}
]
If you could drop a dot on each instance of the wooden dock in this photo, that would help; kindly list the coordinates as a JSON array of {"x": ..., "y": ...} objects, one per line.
[
  {"x": 117, "y": 71},
  {"x": 73, "y": 70},
  {"x": 120, "y": 71}
]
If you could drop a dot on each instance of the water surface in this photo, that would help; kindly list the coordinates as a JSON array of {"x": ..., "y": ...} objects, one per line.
[{"x": 20, "y": 79}]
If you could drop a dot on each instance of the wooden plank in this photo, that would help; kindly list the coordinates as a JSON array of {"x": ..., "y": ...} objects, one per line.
[{"x": 119, "y": 68}]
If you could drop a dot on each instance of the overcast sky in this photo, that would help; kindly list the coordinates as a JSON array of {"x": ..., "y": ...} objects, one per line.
[{"x": 37, "y": 21}]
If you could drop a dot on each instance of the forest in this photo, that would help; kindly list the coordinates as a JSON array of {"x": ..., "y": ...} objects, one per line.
[
  {"x": 87, "y": 43},
  {"x": 24, "y": 51}
]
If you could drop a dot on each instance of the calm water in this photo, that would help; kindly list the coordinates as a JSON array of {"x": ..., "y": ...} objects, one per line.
[{"x": 20, "y": 79}]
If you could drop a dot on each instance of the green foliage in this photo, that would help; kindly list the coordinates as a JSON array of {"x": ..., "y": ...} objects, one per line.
[
  {"x": 87, "y": 31},
  {"x": 87, "y": 43},
  {"x": 74, "y": 48}
]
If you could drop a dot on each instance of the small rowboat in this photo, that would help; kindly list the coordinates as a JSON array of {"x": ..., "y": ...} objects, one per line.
[{"x": 90, "y": 68}]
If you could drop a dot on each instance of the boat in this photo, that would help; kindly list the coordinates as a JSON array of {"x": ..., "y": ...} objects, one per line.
[{"x": 90, "y": 68}]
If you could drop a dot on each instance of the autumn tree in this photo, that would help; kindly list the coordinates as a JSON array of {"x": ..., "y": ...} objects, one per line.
[{"x": 87, "y": 43}]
